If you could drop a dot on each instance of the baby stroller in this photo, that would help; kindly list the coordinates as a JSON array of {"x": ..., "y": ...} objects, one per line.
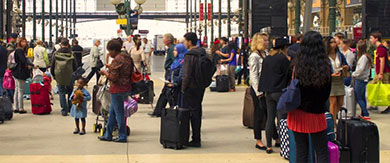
[{"x": 100, "y": 106}]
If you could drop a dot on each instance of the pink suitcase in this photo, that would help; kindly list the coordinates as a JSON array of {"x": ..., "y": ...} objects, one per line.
[{"x": 334, "y": 153}]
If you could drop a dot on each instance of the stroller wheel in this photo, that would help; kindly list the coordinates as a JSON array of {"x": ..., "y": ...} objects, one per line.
[
  {"x": 102, "y": 131},
  {"x": 128, "y": 130},
  {"x": 94, "y": 128}
]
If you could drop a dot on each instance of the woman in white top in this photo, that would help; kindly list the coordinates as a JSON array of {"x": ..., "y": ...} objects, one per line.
[
  {"x": 39, "y": 54},
  {"x": 361, "y": 77},
  {"x": 259, "y": 48},
  {"x": 138, "y": 56}
]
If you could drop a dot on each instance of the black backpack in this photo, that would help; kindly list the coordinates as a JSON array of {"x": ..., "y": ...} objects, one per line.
[{"x": 204, "y": 71}]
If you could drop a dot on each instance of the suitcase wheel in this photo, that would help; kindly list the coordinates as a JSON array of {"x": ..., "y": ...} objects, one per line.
[
  {"x": 165, "y": 145},
  {"x": 128, "y": 130}
]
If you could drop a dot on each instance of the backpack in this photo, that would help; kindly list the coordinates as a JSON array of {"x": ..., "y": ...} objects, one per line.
[
  {"x": 11, "y": 61},
  {"x": 63, "y": 69},
  {"x": 8, "y": 80},
  {"x": 204, "y": 71}
]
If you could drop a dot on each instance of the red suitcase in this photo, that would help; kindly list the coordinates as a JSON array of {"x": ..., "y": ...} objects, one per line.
[{"x": 40, "y": 98}]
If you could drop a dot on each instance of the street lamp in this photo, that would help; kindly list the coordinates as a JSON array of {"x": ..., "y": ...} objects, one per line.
[{"x": 124, "y": 10}]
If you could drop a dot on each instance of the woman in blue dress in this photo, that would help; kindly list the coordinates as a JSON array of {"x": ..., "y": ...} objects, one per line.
[{"x": 79, "y": 97}]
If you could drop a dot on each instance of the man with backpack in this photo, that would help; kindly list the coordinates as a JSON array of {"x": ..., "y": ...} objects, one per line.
[
  {"x": 63, "y": 66},
  {"x": 382, "y": 69},
  {"x": 198, "y": 70}
]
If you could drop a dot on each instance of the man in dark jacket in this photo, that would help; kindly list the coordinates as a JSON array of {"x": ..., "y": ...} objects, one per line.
[
  {"x": 64, "y": 89},
  {"x": 77, "y": 53},
  {"x": 193, "y": 94},
  {"x": 3, "y": 66}
]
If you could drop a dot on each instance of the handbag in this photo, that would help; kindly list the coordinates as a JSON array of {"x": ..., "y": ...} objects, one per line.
[
  {"x": 104, "y": 96},
  {"x": 131, "y": 107},
  {"x": 291, "y": 96},
  {"x": 99, "y": 64}
]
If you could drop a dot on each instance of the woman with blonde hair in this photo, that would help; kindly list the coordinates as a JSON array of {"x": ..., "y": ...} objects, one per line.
[
  {"x": 39, "y": 56},
  {"x": 259, "y": 46}
]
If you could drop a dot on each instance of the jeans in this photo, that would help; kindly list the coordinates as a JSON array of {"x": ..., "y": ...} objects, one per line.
[
  {"x": 232, "y": 74},
  {"x": 65, "y": 102},
  {"x": 117, "y": 116},
  {"x": 272, "y": 100},
  {"x": 193, "y": 100},
  {"x": 19, "y": 92},
  {"x": 360, "y": 95},
  {"x": 94, "y": 71},
  {"x": 320, "y": 144}
]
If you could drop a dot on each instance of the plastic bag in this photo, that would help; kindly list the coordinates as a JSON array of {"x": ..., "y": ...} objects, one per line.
[{"x": 378, "y": 94}]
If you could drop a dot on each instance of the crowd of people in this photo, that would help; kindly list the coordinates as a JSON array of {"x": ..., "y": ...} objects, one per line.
[{"x": 323, "y": 66}]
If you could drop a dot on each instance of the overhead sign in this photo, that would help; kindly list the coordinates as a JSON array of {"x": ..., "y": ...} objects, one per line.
[
  {"x": 351, "y": 3},
  {"x": 316, "y": 6},
  {"x": 201, "y": 11},
  {"x": 209, "y": 12},
  {"x": 121, "y": 21}
]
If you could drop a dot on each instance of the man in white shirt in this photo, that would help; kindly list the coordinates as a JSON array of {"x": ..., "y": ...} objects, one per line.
[
  {"x": 148, "y": 50},
  {"x": 129, "y": 44}
]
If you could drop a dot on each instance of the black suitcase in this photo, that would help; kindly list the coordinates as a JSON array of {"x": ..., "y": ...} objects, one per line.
[
  {"x": 358, "y": 140},
  {"x": 147, "y": 96},
  {"x": 5, "y": 108},
  {"x": 223, "y": 83},
  {"x": 175, "y": 127}
]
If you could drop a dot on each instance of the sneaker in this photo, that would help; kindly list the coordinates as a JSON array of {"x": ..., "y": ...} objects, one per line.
[
  {"x": 76, "y": 131},
  {"x": 365, "y": 118},
  {"x": 16, "y": 111},
  {"x": 386, "y": 111}
]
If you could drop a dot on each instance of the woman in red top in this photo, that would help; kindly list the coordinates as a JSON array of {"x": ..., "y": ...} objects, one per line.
[
  {"x": 119, "y": 75},
  {"x": 312, "y": 69}
]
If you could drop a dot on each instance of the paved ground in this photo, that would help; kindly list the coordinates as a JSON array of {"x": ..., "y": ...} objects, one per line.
[{"x": 49, "y": 138}]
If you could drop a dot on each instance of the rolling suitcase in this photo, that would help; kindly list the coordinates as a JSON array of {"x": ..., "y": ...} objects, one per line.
[
  {"x": 6, "y": 112},
  {"x": 223, "y": 83},
  {"x": 147, "y": 96},
  {"x": 40, "y": 98},
  {"x": 358, "y": 140},
  {"x": 175, "y": 127},
  {"x": 334, "y": 153},
  {"x": 249, "y": 109},
  {"x": 349, "y": 101}
]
